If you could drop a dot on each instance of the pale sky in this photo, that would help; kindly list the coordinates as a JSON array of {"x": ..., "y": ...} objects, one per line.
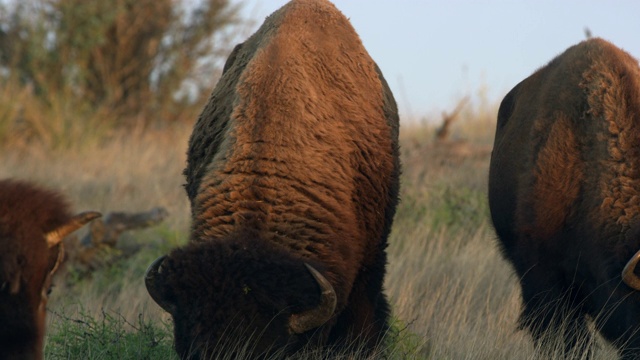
[{"x": 433, "y": 53}]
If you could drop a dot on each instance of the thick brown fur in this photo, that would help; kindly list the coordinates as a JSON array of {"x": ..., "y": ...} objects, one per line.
[
  {"x": 27, "y": 212},
  {"x": 293, "y": 160},
  {"x": 564, "y": 193}
]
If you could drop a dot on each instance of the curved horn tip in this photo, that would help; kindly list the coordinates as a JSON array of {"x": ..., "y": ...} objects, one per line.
[
  {"x": 155, "y": 267},
  {"x": 628, "y": 273},
  {"x": 85, "y": 217},
  {"x": 311, "y": 319},
  {"x": 55, "y": 236}
]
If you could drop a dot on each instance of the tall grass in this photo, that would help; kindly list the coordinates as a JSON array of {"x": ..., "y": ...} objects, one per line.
[{"x": 453, "y": 296}]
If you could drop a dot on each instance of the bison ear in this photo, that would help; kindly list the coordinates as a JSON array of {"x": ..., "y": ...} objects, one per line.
[
  {"x": 13, "y": 284},
  {"x": 14, "y": 277},
  {"x": 154, "y": 279}
]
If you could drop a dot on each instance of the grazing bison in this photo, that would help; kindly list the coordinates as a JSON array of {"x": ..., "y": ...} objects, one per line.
[
  {"x": 293, "y": 179},
  {"x": 564, "y": 193},
  {"x": 33, "y": 222}
]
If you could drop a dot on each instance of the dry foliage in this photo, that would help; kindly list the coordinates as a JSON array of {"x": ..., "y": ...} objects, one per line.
[{"x": 129, "y": 61}]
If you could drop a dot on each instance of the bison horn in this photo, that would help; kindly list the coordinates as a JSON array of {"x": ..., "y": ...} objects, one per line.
[
  {"x": 311, "y": 319},
  {"x": 628, "y": 275},
  {"x": 151, "y": 278},
  {"x": 55, "y": 236}
]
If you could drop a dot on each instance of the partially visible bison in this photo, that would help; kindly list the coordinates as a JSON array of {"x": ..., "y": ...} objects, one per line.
[
  {"x": 564, "y": 193},
  {"x": 33, "y": 222},
  {"x": 293, "y": 179}
]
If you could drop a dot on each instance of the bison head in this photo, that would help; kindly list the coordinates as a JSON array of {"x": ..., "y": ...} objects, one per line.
[
  {"x": 241, "y": 297},
  {"x": 25, "y": 281}
]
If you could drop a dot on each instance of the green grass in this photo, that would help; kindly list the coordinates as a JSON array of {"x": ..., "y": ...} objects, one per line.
[
  {"x": 443, "y": 206},
  {"x": 109, "y": 336}
]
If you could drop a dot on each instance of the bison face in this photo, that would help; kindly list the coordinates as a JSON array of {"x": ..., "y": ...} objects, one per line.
[
  {"x": 241, "y": 298},
  {"x": 27, "y": 282},
  {"x": 23, "y": 300}
]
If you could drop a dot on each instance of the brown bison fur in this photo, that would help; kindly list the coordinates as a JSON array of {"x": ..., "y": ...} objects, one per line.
[
  {"x": 564, "y": 192},
  {"x": 27, "y": 212},
  {"x": 293, "y": 160}
]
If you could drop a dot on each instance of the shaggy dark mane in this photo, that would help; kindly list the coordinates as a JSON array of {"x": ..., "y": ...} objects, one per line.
[
  {"x": 24, "y": 204},
  {"x": 26, "y": 212}
]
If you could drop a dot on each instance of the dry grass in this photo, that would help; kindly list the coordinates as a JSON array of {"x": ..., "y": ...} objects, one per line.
[{"x": 446, "y": 280}]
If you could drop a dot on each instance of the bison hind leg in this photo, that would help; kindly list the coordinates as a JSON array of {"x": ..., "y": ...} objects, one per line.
[{"x": 555, "y": 317}]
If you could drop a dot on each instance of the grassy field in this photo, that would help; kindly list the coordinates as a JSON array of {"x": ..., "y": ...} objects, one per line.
[{"x": 453, "y": 295}]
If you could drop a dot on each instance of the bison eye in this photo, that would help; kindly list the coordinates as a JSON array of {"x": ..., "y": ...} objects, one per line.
[{"x": 49, "y": 290}]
